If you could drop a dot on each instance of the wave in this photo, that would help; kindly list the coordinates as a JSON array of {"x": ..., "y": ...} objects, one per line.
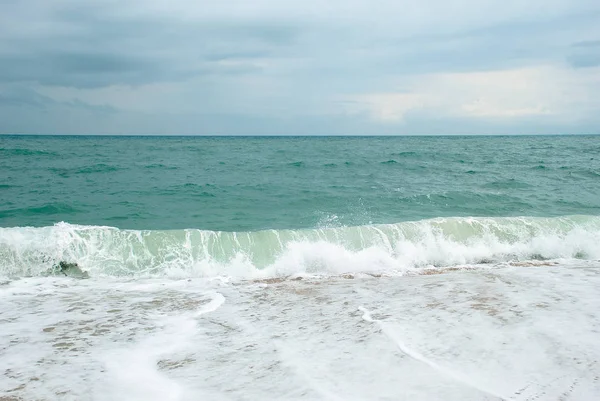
[
  {"x": 47, "y": 209},
  {"x": 400, "y": 247},
  {"x": 91, "y": 169},
  {"x": 160, "y": 166},
  {"x": 25, "y": 152},
  {"x": 507, "y": 184},
  {"x": 406, "y": 154}
]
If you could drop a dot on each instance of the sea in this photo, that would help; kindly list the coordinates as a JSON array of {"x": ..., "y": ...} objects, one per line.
[{"x": 299, "y": 268}]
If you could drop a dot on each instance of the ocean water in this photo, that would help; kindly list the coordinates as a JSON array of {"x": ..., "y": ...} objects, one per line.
[{"x": 305, "y": 268}]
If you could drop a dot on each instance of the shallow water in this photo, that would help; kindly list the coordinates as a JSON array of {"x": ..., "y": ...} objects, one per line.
[{"x": 512, "y": 332}]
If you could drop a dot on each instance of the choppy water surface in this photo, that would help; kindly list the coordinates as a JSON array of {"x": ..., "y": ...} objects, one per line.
[{"x": 250, "y": 184}]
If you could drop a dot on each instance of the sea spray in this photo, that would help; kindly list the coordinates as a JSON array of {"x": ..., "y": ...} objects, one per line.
[{"x": 400, "y": 247}]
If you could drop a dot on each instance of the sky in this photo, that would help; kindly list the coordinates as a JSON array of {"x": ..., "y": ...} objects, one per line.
[{"x": 299, "y": 67}]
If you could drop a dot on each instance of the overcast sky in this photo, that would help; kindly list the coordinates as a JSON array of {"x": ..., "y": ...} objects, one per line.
[{"x": 299, "y": 67}]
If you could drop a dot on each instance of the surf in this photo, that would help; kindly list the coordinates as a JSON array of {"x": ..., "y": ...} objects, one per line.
[{"x": 398, "y": 248}]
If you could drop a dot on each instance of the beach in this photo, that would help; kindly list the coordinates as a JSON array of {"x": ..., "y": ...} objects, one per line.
[{"x": 508, "y": 332}]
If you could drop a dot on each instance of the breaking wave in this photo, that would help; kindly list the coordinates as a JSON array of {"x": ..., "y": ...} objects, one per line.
[{"x": 401, "y": 247}]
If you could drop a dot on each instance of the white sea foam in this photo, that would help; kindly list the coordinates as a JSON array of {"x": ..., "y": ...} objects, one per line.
[
  {"x": 128, "y": 367},
  {"x": 503, "y": 334}
]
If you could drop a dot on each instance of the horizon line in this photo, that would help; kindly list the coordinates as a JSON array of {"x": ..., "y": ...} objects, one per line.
[{"x": 290, "y": 135}]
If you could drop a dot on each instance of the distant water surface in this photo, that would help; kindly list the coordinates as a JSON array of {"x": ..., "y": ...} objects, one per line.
[{"x": 253, "y": 183}]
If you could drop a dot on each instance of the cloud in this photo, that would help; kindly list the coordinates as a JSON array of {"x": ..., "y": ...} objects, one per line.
[
  {"x": 303, "y": 66},
  {"x": 545, "y": 92},
  {"x": 101, "y": 44},
  {"x": 20, "y": 97},
  {"x": 585, "y": 54},
  {"x": 23, "y": 110}
]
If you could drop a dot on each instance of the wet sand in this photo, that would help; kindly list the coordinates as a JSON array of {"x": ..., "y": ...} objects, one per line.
[{"x": 514, "y": 333}]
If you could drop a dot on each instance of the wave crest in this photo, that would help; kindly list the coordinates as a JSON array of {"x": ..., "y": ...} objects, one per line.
[{"x": 401, "y": 247}]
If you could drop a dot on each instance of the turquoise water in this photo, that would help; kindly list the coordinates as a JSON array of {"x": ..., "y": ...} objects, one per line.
[
  {"x": 213, "y": 204},
  {"x": 247, "y": 184}
]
